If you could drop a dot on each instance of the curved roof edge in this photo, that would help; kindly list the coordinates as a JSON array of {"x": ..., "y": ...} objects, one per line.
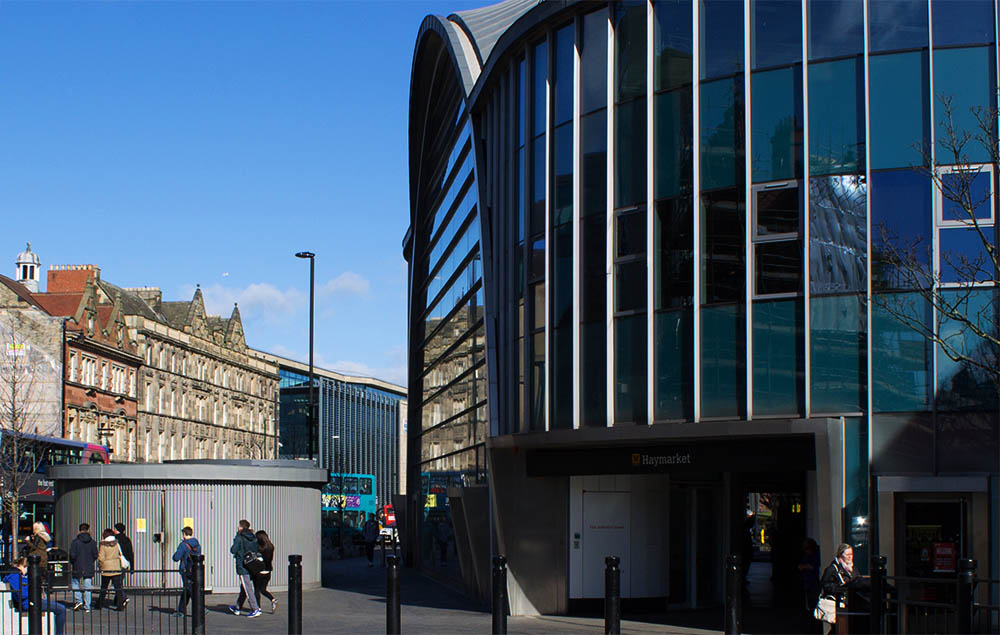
[
  {"x": 289, "y": 472},
  {"x": 485, "y": 26},
  {"x": 462, "y": 51}
]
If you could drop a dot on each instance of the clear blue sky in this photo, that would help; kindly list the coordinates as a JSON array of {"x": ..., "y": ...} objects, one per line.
[{"x": 184, "y": 143}]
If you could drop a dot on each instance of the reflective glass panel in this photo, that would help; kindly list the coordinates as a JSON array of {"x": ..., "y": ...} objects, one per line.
[
  {"x": 537, "y": 223},
  {"x": 964, "y": 256},
  {"x": 962, "y": 22},
  {"x": 630, "y": 285},
  {"x": 561, "y": 311},
  {"x": 562, "y": 175},
  {"x": 723, "y": 148},
  {"x": 593, "y": 374},
  {"x": 630, "y": 369},
  {"x": 778, "y": 366},
  {"x": 900, "y": 225},
  {"x": 966, "y": 384},
  {"x": 630, "y": 50},
  {"x": 837, "y": 117},
  {"x": 673, "y": 141},
  {"x": 537, "y": 374},
  {"x": 538, "y": 88},
  {"x": 900, "y": 354},
  {"x": 836, "y": 29},
  {"x": 778, "y": 267},
  {"x": 721, "y": 38},
  {"x": 966, "y": 196},
  {"x": 837, "y": 234},
  {"x": 900, "y": 103},
  {"x": 723, "y": 361},
  {"x": 897, "y": 24},
  {"x": 723, "y": 264},
  {"x": 965, "y": 78},
  {"x": 673, "y": 44},
  {"x": 593, "y": 283},
  {"x": 674, "y": 365},
  {"x": 777, "y": 32},
  {"x": 674, "y": 277},
  {"x": 594, "y": 62},
  {"x": 536, "y": 262},
  {"x": 776, "y": 124},
  {"x": 521, "y": 95},
  {"x": 594, "y": 163},
  {"x": 561, "y": 400},
  {"x": 630, "y": 153},
  {"x": 778, "y": 211},
  {"x": 838, "y": 344},
  {"x": 562, "y": 75},
  {"x": 630, "y": 233}
]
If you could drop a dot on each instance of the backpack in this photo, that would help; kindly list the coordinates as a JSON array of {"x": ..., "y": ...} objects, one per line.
[
  {"x": 191, "y": 551},
  {"x": 253, "y": 562}
]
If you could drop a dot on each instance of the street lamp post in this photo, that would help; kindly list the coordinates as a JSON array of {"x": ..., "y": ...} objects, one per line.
[{"x": 310, "y": 421}]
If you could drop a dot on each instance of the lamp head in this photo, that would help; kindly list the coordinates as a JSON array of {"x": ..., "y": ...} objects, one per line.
[{"x": 305, "y": 254}]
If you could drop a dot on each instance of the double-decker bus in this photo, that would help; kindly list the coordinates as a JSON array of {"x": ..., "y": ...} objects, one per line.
[{"x": 355, "y": 495}]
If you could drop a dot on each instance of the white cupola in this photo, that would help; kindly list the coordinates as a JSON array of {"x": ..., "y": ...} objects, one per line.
[{"x": 28, "y": 269}]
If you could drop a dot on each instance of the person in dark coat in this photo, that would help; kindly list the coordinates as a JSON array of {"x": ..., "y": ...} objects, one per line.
[
  {"x": 369, "y": 533},
  {"x": 260, "y": 580},
  {"x": 244, "y": 542},
  {"x": 82, "y": 556},
  {"x": 840, "y": 575},
  {"x": 189, "y": 547},
  {"x": 125, "y": 543}
]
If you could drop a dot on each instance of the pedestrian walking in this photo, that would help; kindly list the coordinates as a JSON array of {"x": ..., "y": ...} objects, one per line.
[
  {"x": 126, "y": 545},
  {"x": 263, "y": 577},
  {"x": 82, "y": 557},
  {"x": 189, "y": 547},
  {"x": 18, "y": 582},
  {"x": 370, "y": 533},
  {"x": 244, "y": 549},
  {"x": 109, "y": 561}
]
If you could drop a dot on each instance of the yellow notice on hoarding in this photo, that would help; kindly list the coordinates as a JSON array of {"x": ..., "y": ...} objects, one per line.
[
  {"x": 140, "y": 525},
  {"x": 431, "y": 501},
  {"x": 188, "y": 522}
]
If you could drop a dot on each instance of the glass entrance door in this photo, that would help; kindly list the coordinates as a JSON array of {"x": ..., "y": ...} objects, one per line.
[{"x": 696, "y": 545}]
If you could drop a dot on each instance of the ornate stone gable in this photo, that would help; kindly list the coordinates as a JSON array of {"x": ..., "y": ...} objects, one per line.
[
  {"x": 234, "y": 334},
  {"x": 197, "y": 321}
]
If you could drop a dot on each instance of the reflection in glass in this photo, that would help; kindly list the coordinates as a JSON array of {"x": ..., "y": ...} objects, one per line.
[
  {"x": 630, "y": 50},
  {"x": 630, "y": 285},
  {"x": 777, "y": 124},
  {"x": 777, "y": 32},
  {"x": 673, "y": 42},
  {"x": 723, "y": 263},
  {"x": 778, "y": 211},
  {"x": 630, "y": 153},
  {"x": 723, "y": 147},
  {"x": 900, "y": 354},
  {"x": 630, "y": 369},
  {"x": 778, "y": 267},
  {"x": 593, "y": 374},
  {"x": 721, "y": 39},
  {"x": 594, "y": 61},
  {"x": 723, "y": 361},
  {"x": 537, "y": 221},
  {"x": 965, "y": 384},
  {"x": 900, "y": 102},
  {"x": 836, "y": 29},
  {"x": 778, "y": 365},
  {"x": 838, "y": 345},
  {"x": 965, "y": 78},
  {"x": 964, "y": 255},
  {"x": 674, "y": 276},
  {"x": 837, "y": 117},
  {"x": 593, "y": 265},
  {"x": 594, "y": 164},
  {"x": 673, "y": 142},
  {"x": 674, "y": 397},
  {"x": 897, "y": 24},
  {"x": 630, "y": 233},
  {"x": 562, "y": 175},
  {"x": 837, "y": 234},
  {"x": 539, "y": 89},
  {"x": 962, "y": 22},
  {"x": 538, "y": 381},
  {"x": 901, "y": 222},
  {"x": 562, "y": 75},
  {"x": 963, "y": 192}
]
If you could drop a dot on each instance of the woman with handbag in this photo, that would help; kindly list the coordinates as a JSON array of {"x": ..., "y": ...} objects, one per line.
[
  {"x": 111, "y": 563},
  {"x": 837, "y": 578}
]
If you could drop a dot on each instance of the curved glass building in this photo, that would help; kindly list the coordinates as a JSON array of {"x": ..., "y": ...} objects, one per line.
[{"x": 651, "y": 308}]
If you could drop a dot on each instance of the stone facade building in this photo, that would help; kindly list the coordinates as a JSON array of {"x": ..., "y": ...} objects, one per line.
[{"x": 200, "y": 392}]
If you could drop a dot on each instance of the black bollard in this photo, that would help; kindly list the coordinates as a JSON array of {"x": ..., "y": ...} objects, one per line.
[
  {"x": 612, "y": 596},
  {"x": 734, "y": 595},
  {"x": 382, "y": 540},
  {"x": 34, "y": 595},
  {"x": 966, "y": 593},
  {"x": 878, "y": 595},
  {"x": 198, "y": 594},
  {"x": 295, "y": 594},
  {"x": 392, "y": 625},
  {"x": 499, "y": 595}
]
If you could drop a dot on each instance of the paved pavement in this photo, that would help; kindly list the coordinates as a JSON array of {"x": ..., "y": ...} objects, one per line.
[{"x": 353, "y": 601}]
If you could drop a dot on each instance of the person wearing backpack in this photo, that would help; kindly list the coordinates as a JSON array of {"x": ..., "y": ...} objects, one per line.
[
  {"x": 189, "y": 547},
  {"x": 245, "y": 549}
]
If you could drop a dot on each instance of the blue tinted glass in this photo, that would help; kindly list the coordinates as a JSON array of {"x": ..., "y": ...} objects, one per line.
[
  {"x": 673, "y": 275},
  {"x": 537, "y": 220},
  {"x": 562, "y": 175},
  {"x": 964, "y": 385},
  {"x": 674, "y": 365},
  {"x": 562, "y": 75},
  {"x": 897, "y": 24},
  {"x": 721, "y": 38},
  {"x": 838, "y": 343},
  {"x": 593, "y": 374},
  {"x": 538, "y": 88},
  {"x": 673, "y": 42},
  {"x": 630, "y": 50},
  {"x": 521, "y": 108},
  {"x": 674, "y": 151},
  {"x": 594, "y": 61},
  {"x": 630, "y": 153},
  {"x": 900, "y": 224},
  {"x": 723, "y": 248},
  {"x": 594, "y": 163},
  {"x": 900, "y": 103},
  {"x": 776, "y": 124},
  {"x": 836, "y": 28},
  {"x": 965, "y": 195},
  {"x": 630, "y": 369},
  {"x": 723, "y": 148},
  {"x": 561, "y": 321},
  {"x": 778, "y": 369},
  {"x": 837, "y": 117},
  {"x": 777, "y": 32},
  {"x": 723, "y": 361},
  {"x": 837, "y": 234},
  {"x": 964, "y": 255},
  {"x": 962, "y": 22},
  {"x": 965, "y": 77},
  {"x": 900, "y": 354}
]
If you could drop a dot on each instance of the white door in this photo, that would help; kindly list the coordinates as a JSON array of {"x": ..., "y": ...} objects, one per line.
[{"x": 605, "y": 533}]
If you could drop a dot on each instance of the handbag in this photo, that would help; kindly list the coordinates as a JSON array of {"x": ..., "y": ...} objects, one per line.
[
  {"x": 125, "y": 563},
  {"x": 826, "y": 610},
  {"x": 253, "y": 562}
]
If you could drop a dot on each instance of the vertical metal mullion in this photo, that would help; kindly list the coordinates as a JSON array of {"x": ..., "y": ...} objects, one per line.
[
  {"x": 935, "y": 207},
  {"x": 610, "y": 224},
  {"x": 650, "y": 222},
  {"x": 577, "y": 256},
  {"x": 696, "y": 202},
  {"x": 869, "y": 380},
  {"x": 527, "y": 363},
  {"x": 547, "y": 375},
  {"x": 748, "y": 209},
  {"x": 806, "y": 251}
]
